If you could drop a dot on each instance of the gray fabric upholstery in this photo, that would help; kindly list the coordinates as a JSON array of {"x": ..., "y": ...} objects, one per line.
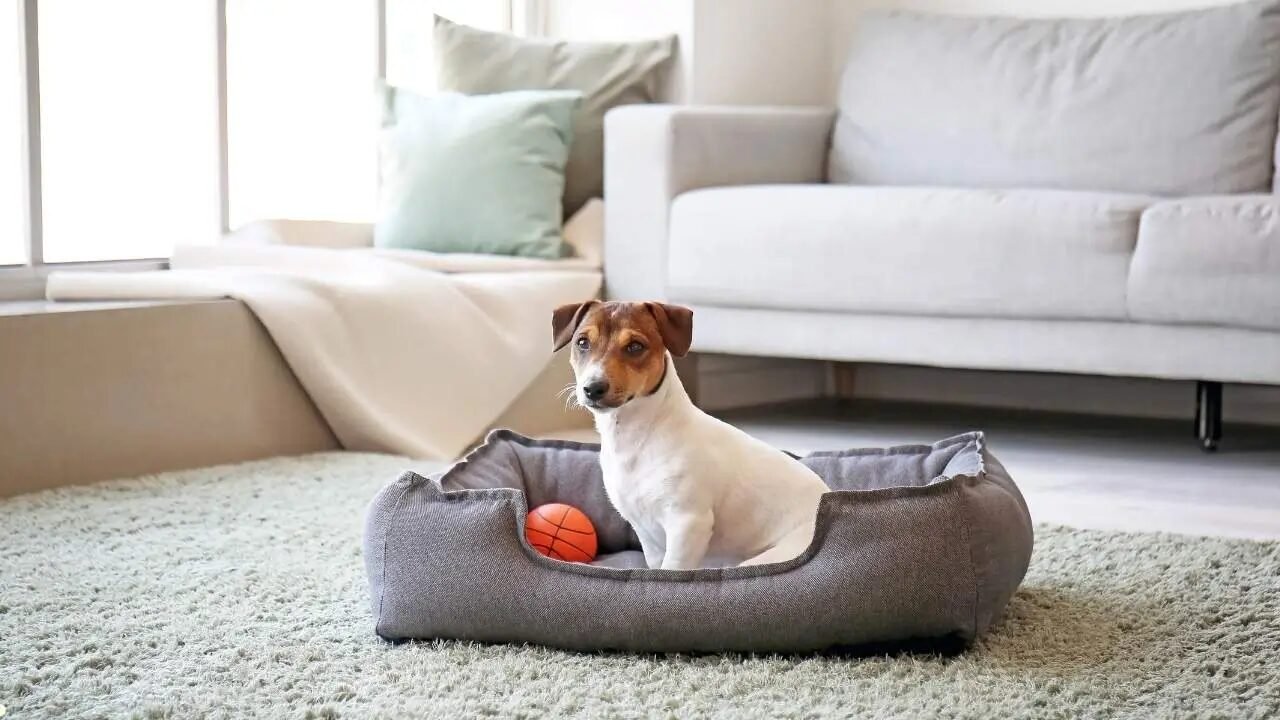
[
  {"x": 1211, "y": 261},
  {"x": 1180, "y": 103},
  {"x": 913, "y": 542},
  {"x": 919, "y": 251},
  {"x": 655, "y": 152}
]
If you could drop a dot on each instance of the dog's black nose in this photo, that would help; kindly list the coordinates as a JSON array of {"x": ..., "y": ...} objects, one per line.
[{"x": 595, "y": 389}]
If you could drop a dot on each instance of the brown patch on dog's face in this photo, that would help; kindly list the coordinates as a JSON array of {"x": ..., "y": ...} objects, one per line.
[{"x": 618, "y": 350}]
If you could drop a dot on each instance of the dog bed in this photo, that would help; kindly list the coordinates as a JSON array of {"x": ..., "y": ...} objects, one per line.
[{"x": 914, "y": 543}]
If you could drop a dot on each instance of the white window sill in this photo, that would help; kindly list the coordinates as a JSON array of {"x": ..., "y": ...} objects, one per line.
[
  {"x": 12, "y": 308},
  {"x": 25, "y": 282}
]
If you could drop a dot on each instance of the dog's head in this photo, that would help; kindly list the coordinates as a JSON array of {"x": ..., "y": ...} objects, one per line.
[{"x": 619, "y": 349}]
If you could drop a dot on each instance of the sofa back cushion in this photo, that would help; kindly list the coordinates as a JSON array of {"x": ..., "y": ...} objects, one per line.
[
  {"x": 608, "y": 74},
  {"x": 1176, "y": 104}
]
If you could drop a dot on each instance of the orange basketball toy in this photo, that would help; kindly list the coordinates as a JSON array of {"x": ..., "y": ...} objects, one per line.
[{"x": 562, "y": 532}]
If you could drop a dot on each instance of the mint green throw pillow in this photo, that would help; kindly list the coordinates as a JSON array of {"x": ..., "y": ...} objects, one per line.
[{"x": 474, "y": 173}]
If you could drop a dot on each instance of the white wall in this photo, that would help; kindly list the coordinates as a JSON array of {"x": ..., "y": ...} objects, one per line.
[
  {"x": 604, "y": 20},
  {"x": 617, "y": 19},
  {"x": 761, "y": 52},
  {"x": 731, "y": 51}
]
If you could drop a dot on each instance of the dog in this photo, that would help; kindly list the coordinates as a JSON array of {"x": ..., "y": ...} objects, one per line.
[{"x": 698, "y": 491}]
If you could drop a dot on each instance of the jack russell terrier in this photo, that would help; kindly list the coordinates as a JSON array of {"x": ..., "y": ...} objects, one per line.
[{"x": 699, "y": 492}]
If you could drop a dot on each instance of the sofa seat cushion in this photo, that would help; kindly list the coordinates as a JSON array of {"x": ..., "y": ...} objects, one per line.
[
  {"x": 1023, "y": 253},
  {"x": 1180, "y": 103},
  {"x": 1209, "y": 261}
]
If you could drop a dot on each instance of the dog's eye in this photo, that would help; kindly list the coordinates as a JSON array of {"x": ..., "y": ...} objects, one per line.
[
  {"x": 583, "y": 343},
  {"x": 634, "y": 348}
]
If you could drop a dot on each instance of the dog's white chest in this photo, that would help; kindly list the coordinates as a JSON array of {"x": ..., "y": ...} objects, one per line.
[{"x": 637, "y": 486}]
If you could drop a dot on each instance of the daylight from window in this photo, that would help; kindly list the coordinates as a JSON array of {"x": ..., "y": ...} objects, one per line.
[
  {"x": 129, "y": 128},
  {"x": 409, "y": 53},
  {"x": 129, "y": 117},
  {"x": 303, "y": 123}
]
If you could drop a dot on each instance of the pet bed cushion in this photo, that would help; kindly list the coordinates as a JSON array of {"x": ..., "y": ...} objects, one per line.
[{"x": 913, "y": 543}]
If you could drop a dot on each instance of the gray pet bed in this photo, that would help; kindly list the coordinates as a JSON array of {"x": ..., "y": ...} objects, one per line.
[{"x": 916, "y": 542}]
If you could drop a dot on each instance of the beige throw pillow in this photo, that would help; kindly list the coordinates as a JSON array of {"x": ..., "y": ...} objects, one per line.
[{"x": 608, "y": 74}]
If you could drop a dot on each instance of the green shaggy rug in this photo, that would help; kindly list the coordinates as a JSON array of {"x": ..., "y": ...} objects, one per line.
[{"x": 239, "y": 592}]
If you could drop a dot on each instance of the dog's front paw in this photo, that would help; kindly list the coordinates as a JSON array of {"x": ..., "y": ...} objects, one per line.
[{"x": 689, "y": 536}]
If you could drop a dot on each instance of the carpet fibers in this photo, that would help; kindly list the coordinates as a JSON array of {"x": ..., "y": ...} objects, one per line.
[{"x": 239, "y": 592}]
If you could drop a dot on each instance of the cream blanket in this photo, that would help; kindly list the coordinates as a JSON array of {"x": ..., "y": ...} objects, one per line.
[{"x": 402, "y": 352}]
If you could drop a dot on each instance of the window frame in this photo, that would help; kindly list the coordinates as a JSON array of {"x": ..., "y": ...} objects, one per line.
[{"x": 27, "y": 281}]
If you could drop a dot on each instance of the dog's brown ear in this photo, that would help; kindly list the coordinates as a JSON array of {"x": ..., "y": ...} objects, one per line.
[
  {"x": 675, "y": 325},
  {"x": 565, "y": 320}
]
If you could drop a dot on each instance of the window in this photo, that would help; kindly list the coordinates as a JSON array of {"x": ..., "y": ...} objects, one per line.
[
  {"x": 302, "y": 110},
  {"x": 129, "y": 140},
  {"x": 128, "y": 108},
  {"x": 13, "y": 243},
  {"x": 302, "y": 113}
]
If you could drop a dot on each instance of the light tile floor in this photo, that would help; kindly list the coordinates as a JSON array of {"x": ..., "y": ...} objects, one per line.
[{"x": 1084, "y": 471}]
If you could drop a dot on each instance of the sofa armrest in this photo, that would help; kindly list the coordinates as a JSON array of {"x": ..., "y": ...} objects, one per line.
[{"x": 655, "y": 152}]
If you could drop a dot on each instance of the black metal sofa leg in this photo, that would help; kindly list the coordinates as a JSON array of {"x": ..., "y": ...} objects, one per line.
[{"x": 1208, "y": 414}]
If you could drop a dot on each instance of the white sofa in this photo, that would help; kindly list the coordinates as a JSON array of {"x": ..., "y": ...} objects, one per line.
[{"x": 1081, "y": 196}]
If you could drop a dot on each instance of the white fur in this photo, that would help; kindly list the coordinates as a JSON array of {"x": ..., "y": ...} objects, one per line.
[{"x": 698, "y": 491}]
